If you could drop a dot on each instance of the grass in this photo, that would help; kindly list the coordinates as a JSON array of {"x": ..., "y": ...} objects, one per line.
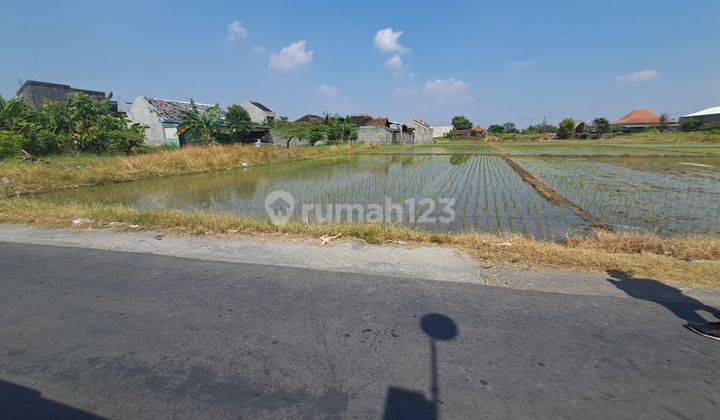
[
  {"x": 17, "y": 177},
  {"x": 681, "y": 261}
]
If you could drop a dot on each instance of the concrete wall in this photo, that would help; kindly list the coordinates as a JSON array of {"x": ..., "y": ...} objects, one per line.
[
  {"x": 141, "y": 112},
  {"x": 422, "y": 134},
  {"x": 281, "y": 140},
  {"x": 381, "y": 135},
  {"x": 257, "y": 115},
  {"x": 440, "y": 130}
]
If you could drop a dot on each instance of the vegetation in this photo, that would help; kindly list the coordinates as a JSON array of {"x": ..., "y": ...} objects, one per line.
[
  {"x": 64, "y": 172},
  {"x": 461, "y": 122},
  {"x": 566, "y": 129},
  {"x": 80, "y": 125},
  {"x": 333, "y": 129},
  {"x": 496, "y": 129},
  {"x": 201, "y": 125}
]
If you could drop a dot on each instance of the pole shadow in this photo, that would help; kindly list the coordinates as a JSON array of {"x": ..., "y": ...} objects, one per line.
[
  {"x": 408, "y": 404},
  {"x": 674, "y": 300},
  {"x": 19, "y": 402}
]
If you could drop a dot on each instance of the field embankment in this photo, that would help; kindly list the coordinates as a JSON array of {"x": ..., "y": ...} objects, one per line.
[
  {"x": 62, "y": 172},
  {"x": 683, "y": 261}
]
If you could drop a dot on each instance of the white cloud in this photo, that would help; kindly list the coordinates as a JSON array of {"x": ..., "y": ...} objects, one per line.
[
  {"x": 258, "y": 49},
  {"x": 327, "y": 90},
  {"x": 293, "y": 55},
  {"x": 387, "y": 40},
  {"x": 522, "y": 64},
  {"x": 448, "y": 88},
  {"x": 638, "y": 76},
  {"x": 236, "y": 31},
  {"x": 394, "y": 62},
  {"x": 439, "y": 90}
]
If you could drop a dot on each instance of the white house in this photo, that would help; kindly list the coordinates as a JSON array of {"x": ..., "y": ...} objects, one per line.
[
  {"x": 423, "y": 132},
  {"x": 161, "y": 117},
  {"x": 441, "y": 130},
  {"x": 259, "y": 113},
  {"x": 706, "y": 116}
]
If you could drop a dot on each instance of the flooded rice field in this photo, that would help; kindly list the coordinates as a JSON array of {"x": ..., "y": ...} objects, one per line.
[{"x": 665, "y": 195}]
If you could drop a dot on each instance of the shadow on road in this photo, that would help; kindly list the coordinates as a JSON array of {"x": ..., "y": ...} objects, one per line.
[
  {"x": 408, "y": 404},
  {"x": 674, "y": 300},
  {"x": 19, "y": 402}
]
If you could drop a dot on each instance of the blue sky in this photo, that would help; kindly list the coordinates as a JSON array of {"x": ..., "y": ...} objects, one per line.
[{"x": 492, "y": 61}]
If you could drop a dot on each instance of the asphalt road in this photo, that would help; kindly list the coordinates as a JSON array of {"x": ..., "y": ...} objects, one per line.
[{"x": 87, "y": 333}]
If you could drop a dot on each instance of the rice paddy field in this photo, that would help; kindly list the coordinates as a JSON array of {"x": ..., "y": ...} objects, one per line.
[{"x": 668, "y": 188}]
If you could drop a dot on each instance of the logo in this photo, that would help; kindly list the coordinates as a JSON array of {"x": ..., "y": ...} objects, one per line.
[{"x": 280, "y": 206}]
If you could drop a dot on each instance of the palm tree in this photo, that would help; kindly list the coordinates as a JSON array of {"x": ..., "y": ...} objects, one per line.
[{"x": 202, "y": 124}]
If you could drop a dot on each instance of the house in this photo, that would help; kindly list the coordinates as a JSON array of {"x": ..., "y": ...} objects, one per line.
[
  {"x": 35, "y": 94},
  {"x": 161, "y": 117},
  {"x": 381, "y": 130},
  {"x": 259, "y": 113},
  {"x": 706, "y": 116},
  {"x": 641, "y": 119},
  {"x": 441, "y": 130},
  {"x": 478, "y": 130},
  {"x": 310, "y": 118},
  {"x": 423, "y": 132}
]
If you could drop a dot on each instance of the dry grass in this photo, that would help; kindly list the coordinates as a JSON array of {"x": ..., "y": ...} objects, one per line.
[
  {"x": 681, "y": 261},
  {"x": 22, "y": 178}
]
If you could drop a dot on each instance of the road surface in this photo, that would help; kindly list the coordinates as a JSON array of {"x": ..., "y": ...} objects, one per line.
[{"x": 87, "y": 332}]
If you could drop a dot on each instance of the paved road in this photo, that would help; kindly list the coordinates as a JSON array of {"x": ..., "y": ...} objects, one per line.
[{"x": 87, "y": 333}]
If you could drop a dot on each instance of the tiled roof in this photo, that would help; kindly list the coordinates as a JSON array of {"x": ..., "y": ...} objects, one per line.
[
  {"x": 640, "y": 117},
  {"x": 170, "y": 110},
  {"x": 379, "y": 122},
  {"x": 478, "y": 129},
  {"x": 421, "y": 122}
]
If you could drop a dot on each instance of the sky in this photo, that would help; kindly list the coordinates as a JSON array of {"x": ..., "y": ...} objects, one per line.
[{"x": 493, "y": 61}]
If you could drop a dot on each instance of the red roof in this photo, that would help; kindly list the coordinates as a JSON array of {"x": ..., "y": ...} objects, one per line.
[
  {"x": 478, "y": 129},
  {"x": 641, "y": 117},
  {"x": 378, "y": 122}
]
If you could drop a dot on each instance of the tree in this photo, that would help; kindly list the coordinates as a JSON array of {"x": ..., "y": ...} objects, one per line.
[
  {"x": 203, "y": 124},
  {"x": 691, "y": 125},
  {"x": 238, "y": 120},
  {"x": 509, "y": 128},
  {"x": 460, "y": 122},
  {"x": 663, "y": 119},
  {"x": 601, "y": 125},
  {"x": 496, "y": 129},
  {"x": 566, "y": 129}
]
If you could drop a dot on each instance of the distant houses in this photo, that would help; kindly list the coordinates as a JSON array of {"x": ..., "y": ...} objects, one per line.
[
  {"x": 706, "y": 116},
  {"x": 423, "y": 133},
  {"x": 35, "y": 94},
  {"x": 161, "y": 117},
  {"x": 640, "y": 120},
  {"x": 259, "y": 113}
]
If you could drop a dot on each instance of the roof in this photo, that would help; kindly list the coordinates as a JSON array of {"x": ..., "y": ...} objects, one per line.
[
  {"x": 421, "y": 123},
  {"x": 310, "y": 118},
  {"x": 170, "y": 109},
  {"x": 640, "y": 117},
  {"x": 30, "y": 83},
  {"x": 379, "y": 122},
  {"x": 709, "y": 111},
  {"x": 261, "y": 106},
  {"x": 477, "y": 128}
]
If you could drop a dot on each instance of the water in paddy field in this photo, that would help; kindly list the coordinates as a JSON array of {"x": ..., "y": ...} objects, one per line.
[
  {"x": 665, "y": 195},
  {"x": 488, "y": 195}
]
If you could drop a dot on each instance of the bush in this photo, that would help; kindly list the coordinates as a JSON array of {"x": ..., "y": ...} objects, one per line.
[
  {"x": 46, "y": 142},
  {"x": 566, "y": 129},
  {"x": 10, "y": 144}
]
